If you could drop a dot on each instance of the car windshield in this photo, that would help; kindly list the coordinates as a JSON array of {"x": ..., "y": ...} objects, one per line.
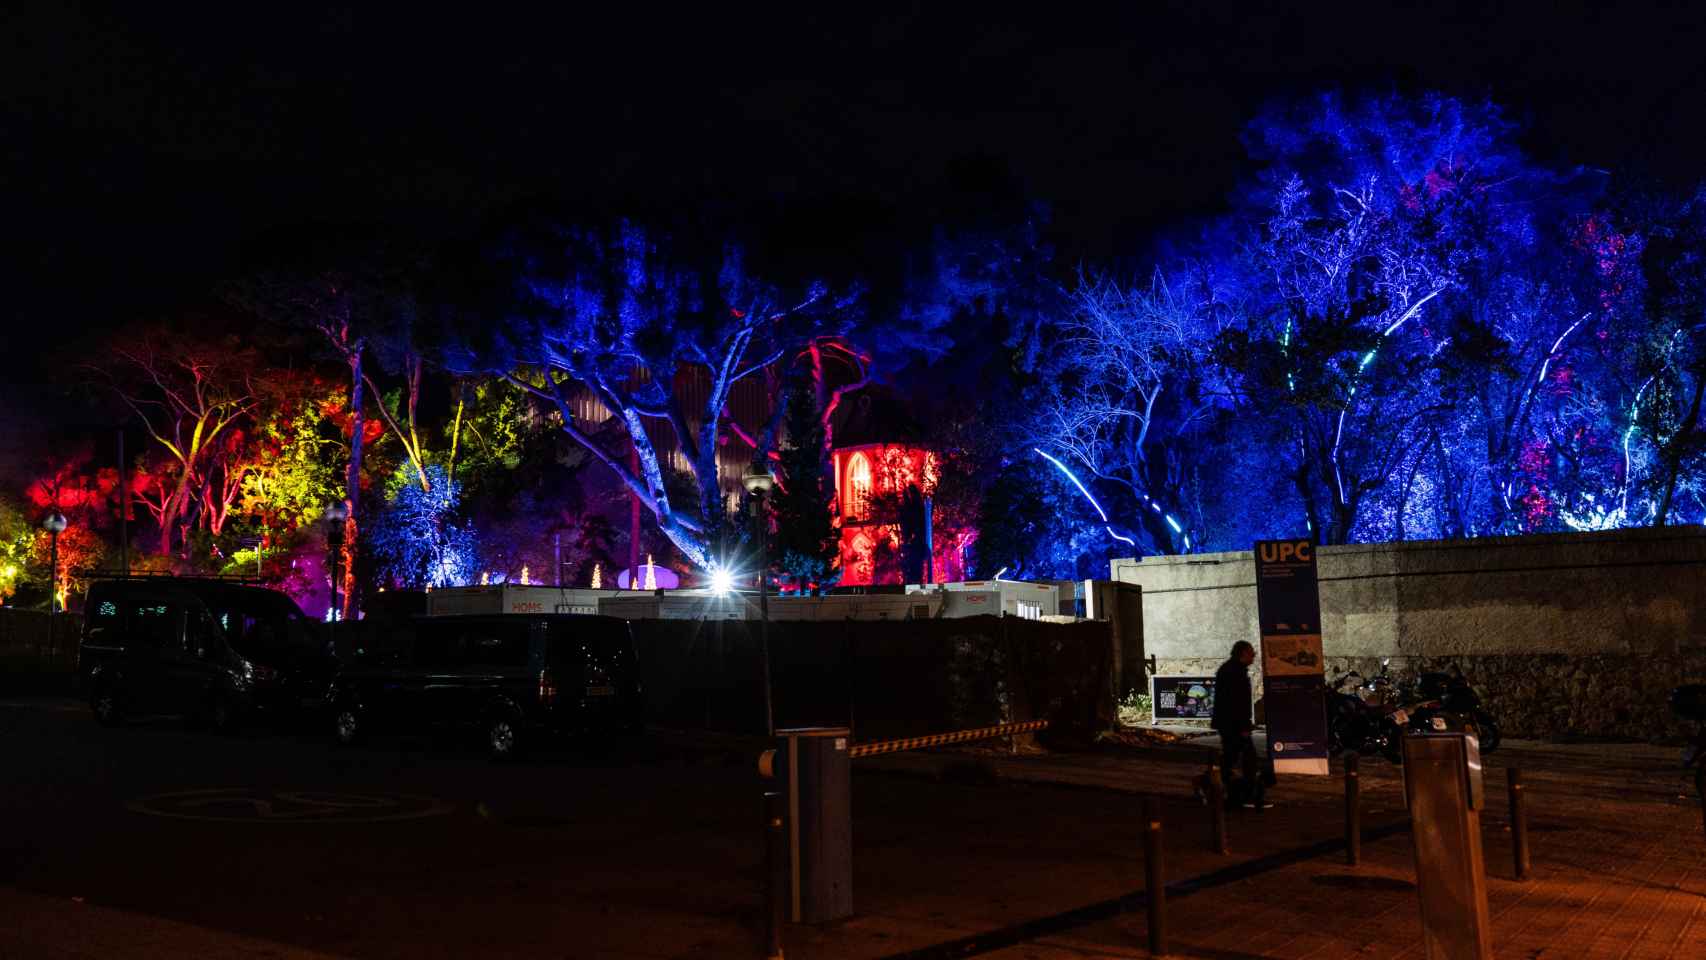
[{"x": 262, "y": 624}]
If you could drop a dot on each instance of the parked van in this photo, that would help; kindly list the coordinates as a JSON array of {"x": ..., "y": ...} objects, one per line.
[
  {"x": 513, "y": 678},
  {"x": 210, "y": 650}
]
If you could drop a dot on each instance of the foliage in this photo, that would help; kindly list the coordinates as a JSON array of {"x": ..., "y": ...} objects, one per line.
[
  {"x": 294, "y": 468},
  {"x": 16, "y": 536},
  {"x": 420, "y": 540},
  {"x": 1136, "y": 709}
]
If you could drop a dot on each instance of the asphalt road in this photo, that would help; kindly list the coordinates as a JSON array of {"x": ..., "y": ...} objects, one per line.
[{"x": 154, "y": 840}]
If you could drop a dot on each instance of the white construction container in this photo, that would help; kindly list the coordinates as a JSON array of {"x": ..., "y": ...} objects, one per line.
[{"x": 512, "y": 598}]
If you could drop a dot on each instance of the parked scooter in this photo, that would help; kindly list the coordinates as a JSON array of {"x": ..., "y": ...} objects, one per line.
[{"x": 1441, "y": 701}]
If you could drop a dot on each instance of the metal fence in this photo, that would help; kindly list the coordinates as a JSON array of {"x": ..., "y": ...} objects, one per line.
[{"x": 34, "y": 643}]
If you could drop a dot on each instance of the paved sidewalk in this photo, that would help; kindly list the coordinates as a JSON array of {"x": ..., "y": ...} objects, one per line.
[{"x": 1619, "y": 864}]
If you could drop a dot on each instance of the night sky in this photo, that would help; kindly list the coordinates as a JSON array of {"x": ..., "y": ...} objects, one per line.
[{"x": 151, "y": 154}]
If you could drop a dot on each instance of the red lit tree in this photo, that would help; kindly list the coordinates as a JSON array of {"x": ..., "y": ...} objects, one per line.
[{"x": 187, "y": 393}]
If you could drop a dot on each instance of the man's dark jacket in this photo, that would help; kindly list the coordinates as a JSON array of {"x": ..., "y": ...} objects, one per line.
[{"x": 1232, "y": 697}]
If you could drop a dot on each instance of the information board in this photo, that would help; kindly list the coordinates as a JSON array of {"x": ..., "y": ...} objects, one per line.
[
  {"x": 1182, "y": 698},
  {"x": 1288, "y": 605}
]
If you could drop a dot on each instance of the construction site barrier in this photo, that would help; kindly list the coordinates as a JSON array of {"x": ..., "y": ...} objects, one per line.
[{"x": 938, "y": 739}]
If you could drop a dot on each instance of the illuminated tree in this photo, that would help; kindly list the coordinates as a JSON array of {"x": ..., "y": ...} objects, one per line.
[
  {"x": 17, "y": 535},
  {"x": 420, "y": 540},
  {"x": 187, "y": 393},
  {"x": 353, "y": 310},
  {"x": 1125, "y": 399},
  {"x": 659, "y": 327}
]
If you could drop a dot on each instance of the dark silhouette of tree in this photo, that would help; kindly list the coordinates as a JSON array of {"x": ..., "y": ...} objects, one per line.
[{"x": 806, "y": 546}]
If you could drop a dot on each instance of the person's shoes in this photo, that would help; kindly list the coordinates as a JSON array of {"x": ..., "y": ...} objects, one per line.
[{"x": 1258, "y": 804}]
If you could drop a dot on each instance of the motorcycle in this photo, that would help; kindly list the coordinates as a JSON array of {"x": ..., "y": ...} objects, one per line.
[
  {"x": 1362, "y": 717},
  {"x": 1443, "y": 700}
]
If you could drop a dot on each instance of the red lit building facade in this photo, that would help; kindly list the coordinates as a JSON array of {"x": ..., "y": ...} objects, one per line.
[{"x": 871, "y": 484}]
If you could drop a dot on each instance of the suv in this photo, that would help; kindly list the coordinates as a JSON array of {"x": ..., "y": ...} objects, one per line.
[
  {"x": 512, "y": 677},
  {"x": 210, "y": 650}
]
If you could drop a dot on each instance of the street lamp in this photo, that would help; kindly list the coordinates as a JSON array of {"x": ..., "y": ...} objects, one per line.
[
  {"x": 758, "y": 485},
  {"x": 54, "y": 524},
  {"x": 336, "y": 514}
]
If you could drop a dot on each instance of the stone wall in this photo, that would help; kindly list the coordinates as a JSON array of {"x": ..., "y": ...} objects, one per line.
[{"x": 1573, "y": 634}]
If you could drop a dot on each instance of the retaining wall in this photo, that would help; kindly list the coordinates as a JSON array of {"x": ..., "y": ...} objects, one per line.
[{"x": 1570, "y": 634}]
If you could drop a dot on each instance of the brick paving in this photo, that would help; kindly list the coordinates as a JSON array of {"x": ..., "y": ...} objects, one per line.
[{"x": 1618, "y": 866}]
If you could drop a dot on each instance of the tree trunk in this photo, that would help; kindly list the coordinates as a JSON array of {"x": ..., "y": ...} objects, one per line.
[
  {"x": 1679, "y": 447},
  {"x": 352, "y": 483},
  {"x": 175, "y": 509}
]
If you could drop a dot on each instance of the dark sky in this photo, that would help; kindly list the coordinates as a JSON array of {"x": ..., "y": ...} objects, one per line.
[{"x": 151, "y": 151}]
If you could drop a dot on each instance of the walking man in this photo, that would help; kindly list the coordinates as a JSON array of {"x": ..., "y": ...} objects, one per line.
[{"x": 1233, "y": 720}]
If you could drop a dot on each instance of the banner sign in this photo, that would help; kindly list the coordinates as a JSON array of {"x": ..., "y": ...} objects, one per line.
[
  {"x": 1182, "y": 698},
  {"x": 1288, "y": 608}
]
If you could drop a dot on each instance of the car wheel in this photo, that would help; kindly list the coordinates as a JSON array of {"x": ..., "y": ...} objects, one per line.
[
  {"x": 503, "y": 735},
  {"x": 109, "y": 711},
  {"x": 347, "y": 725}
]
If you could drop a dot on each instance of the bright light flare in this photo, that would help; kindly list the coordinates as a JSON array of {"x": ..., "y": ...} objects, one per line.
[{"x": 722, "y": 581}]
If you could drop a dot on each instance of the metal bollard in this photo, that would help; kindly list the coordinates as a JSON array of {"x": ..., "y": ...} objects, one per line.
[
  {"x": 776, "y": 869},
  {"x": 1353, "y": 810},
  {"x": 1519, "y": 823},
  {"x": 1154, "y": 883},
  {"x": 1216, "y": 809}
]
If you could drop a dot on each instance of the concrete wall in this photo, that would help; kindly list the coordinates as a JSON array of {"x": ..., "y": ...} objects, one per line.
[{"x": 1565, "y": 634}]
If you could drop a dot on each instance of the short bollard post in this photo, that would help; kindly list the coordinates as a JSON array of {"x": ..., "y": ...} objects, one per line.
[
  {"x": 776, "y": 873},
  {"x": 1154, "y": 884},
  {"x": 1519, "y": 823},
  {"x": 1353, "y": 810},
  {"x": 1216, "y": 794}
]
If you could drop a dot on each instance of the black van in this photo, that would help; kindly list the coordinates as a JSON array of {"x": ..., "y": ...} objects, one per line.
[
  {"x": 511, "y": 677},
  {"x": 210, "y": 650}
]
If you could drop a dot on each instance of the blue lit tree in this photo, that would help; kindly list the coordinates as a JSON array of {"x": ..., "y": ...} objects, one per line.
[
  {"x": 623, "y": 312},
  {"x": 1127, "y": 398},
  {"x": 420, "y": 540}
]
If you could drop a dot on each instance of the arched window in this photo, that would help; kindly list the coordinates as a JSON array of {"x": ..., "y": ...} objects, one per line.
[{"x": 858, "y": 487}]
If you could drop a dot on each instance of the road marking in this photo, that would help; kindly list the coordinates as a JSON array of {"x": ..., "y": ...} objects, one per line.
[{"x": 256, "y": 805}]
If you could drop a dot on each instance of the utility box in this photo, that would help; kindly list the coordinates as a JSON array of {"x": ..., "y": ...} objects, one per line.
[
  {"x": 1444, "y": 790},
  {"x": 813, "y": 763}
]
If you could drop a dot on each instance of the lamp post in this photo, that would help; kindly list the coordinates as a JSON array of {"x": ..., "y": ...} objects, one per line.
[
  {"x": 336, "y": 514},
  {"x": 758, "y": 484},
  {"x": 54, "y": 524}
]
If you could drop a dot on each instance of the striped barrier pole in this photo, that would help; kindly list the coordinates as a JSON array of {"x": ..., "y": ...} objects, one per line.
[{"x": 939, "y": 739}]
